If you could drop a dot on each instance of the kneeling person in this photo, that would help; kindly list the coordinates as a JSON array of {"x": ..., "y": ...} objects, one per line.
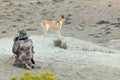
[{"x": 23, "y": 48}]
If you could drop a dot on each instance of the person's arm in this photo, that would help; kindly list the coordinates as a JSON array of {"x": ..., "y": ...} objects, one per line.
[
  {"x": 15, "y": 48},
  {"x": 32, "y": 46},
  {"x": 33, "y": 50}
]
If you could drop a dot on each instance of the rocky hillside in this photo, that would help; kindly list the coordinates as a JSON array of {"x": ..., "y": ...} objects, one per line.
[{"x": 93, "y": 20}]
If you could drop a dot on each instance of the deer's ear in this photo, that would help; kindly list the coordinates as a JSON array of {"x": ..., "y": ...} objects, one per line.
[{"x": 62, "y": 16}]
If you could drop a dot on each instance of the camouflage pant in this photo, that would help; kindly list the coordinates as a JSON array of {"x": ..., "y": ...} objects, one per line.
[{"x": 23, "y": 64}]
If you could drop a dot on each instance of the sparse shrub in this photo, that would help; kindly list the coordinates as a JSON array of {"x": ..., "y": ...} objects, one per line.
[
  {"x": 97, "y": 36},
  {"x": 67, "y": 21},
  {"x": 103, "y": 22},
  {"x": 63, "y": 45},
  {"x": 14, "y": 26},
  {"x": 58, "y": 0},
  {"x": 85, "y": 49},
  {"x": 69, "y": 15},
  {"x": 110, "y": 52},
  {"x": 58, "y": 43},
  {"x": 42, "y": 76},
  {"x": 108, "y": 32},
  {"x": 38, "y": 3},
  {"x": 91, "y": 34},
  {"x": 109, "y": 5},
  {"x": 118, "y": 19},
  {"x": 4, "y": 32},
  {"x": 19, "y": 19},
  {"x": 14, "y": 78}
]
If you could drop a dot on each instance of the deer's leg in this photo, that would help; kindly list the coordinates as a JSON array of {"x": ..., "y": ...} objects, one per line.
[
  {"x": 59, "y": 31},
  {"x": 45, "y": 29}
]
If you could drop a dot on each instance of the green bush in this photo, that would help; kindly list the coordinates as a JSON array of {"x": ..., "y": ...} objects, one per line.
[
  {"x": 63, "y": 45},
  {"x": 57, "y": 43},
  {"x": 14, "y": 78},
  {"x": 60, "y": 44},
  {"x": 42, "y": 76}
]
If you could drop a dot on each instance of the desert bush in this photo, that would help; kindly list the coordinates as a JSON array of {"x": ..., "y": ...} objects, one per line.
[
  {"x": 58, "y": 0},
  {"x": 4, "y": 32},
  {"x": 67, "y": 21},
  {"x": 63, "y": 45},
  {"x": 107, "y": 32},
  {"x": 14, "y": 78},
  {"x": 57, "y": 43},
  {"x": 97, "y": 36},
  {"x": 60, "y": 44},
  {"x": 103, "y": 22},
  {"x": 42, "y": 76}
]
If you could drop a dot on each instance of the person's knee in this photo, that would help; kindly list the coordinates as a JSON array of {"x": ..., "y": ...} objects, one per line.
[{"x": 18, "y": 64}]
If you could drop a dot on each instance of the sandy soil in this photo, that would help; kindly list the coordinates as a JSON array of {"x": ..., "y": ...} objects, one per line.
[
  {"x": 86, "y": 62},
  {"x": 93, "y": 20}
]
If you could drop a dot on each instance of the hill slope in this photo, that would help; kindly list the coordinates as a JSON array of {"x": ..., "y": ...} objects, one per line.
[{"x": 91, "y": 63}]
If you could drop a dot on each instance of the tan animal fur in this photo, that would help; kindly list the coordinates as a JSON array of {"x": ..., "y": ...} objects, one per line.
[{"x": 53, "y": 24}]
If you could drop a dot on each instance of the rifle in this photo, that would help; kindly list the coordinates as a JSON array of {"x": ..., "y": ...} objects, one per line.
[
  {"x": 10, "y": 59},
  {"x": 14, "y": 54}
]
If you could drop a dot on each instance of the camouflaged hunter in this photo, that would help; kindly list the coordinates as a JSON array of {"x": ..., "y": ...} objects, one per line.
[{"x": 23, "y": 48}]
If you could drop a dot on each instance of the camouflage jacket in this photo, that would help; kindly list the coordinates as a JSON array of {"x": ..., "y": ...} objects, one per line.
[{"x": 23, "y": 49}]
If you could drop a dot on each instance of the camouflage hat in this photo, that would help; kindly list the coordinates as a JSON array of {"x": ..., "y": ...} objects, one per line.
[{"x": 22, "y": 34}]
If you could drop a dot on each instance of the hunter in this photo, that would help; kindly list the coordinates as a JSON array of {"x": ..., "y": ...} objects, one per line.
[{"x": 23, "y": 49}]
